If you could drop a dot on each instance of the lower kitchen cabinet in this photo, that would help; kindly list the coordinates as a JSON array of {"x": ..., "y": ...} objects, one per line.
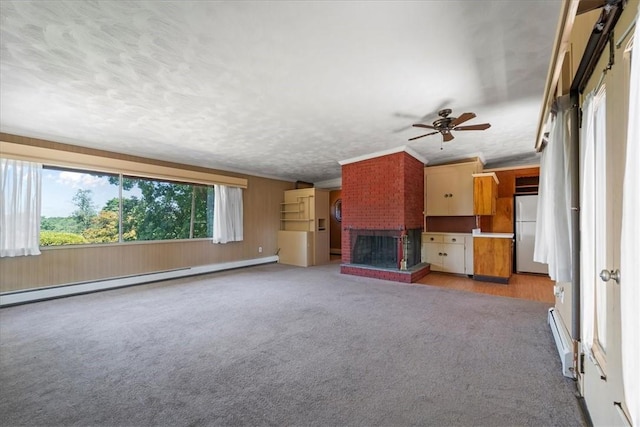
[
  {"x": 446, "y": 252},
  {"x": 494, "y": 258}
]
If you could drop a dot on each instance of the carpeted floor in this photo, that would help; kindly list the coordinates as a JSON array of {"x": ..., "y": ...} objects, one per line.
[{"x": 285, "y": 346}]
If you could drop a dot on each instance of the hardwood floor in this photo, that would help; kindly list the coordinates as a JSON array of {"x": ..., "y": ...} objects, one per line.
[{"x": 524, "y": 286}]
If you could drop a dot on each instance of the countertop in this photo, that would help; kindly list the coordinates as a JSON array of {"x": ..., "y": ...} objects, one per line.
[
  {"x": 446, "y": 232},
  {"x": 495, "y": 235}
]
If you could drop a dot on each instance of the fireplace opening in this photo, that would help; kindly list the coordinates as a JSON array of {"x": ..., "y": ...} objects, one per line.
[
  {"x": 376, "y": 251},
  {"x": 389, "y": 249}
]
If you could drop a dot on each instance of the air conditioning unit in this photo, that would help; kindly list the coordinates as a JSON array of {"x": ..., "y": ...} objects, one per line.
[{"x": 563, "y": 342}]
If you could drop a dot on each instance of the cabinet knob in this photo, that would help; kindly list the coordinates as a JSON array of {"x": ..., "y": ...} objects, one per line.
[
  {"x": 431, "y": 238},
  {"x": 440, "y": 253},
  {"x": 453, "y": 240},
  {"x": 445, "y": 254}
]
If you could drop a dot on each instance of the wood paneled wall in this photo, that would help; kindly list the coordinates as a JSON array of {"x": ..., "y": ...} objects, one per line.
[
  {"x": 65, "y": 265},
  {"x": 502, "y": 221}
]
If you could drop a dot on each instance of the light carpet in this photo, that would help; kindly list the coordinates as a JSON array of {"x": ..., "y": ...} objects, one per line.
[{"x": 286, "y": 346}]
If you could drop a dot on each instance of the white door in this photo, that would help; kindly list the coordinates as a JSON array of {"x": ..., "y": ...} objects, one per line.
[{"x": 602, "y": 380}]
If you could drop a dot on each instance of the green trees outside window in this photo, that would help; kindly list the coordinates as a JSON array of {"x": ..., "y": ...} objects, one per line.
[{"x": 81, "y": 207}]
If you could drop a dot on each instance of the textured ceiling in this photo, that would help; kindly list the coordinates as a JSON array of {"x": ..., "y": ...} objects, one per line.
[{"x": 275, "y": 88}]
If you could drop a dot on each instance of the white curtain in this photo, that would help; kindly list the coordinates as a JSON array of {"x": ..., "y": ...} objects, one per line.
[
  {"x": 20, "y": 208},
  {"x": 630, "y": 246},
  {"x": 592, "y": 117},
  {"x": 553, "y": 238},
  {"x": 227, "y": 214}
]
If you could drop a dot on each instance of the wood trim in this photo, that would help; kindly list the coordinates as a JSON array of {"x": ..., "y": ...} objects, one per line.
[
  {"x": 54, "y": 157},
  {"x": 560, "y": 46},
  {"x": 492, "y": 279},
  {"x": 491, "y": 174}
]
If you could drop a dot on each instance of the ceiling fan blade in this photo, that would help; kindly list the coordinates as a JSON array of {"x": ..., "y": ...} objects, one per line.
[
  {"x": 463, "y": 118},
  {"x": 447, "y": 137},
  {"x": 482, "y": 126},
  {"x": 420, "y": 125},
  {"x": 422, "y": 136}
]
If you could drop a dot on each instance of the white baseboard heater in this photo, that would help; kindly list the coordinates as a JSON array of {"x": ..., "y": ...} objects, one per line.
[
  {"x": 20, "y": 297},
  {"x": 563, "y": 343}
]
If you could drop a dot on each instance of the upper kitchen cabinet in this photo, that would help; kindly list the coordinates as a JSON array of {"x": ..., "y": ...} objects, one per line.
[
  {"x": 485, "y": 193},
  {"x": 449, "y": 189}
]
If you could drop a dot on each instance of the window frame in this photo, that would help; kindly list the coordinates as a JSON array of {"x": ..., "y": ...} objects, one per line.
[{"x": 120, "y": 193}]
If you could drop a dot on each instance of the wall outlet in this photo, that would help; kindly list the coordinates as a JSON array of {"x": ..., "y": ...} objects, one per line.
[
  {"x": 259, "y": 249},
  {"x": 558, "y": 291}
]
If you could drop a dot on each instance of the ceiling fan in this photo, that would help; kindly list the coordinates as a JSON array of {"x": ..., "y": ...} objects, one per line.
[
  {"x": 429, "y": 115},
  {"x": 446, "y": 124}
]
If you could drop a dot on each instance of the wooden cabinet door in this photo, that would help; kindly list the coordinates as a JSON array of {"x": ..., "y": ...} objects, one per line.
[
  {"x": 437, "y": 193},
  {"x": 460, "y": 188},
  {"x": 485, "y": 195},
  {"x": 431, "y": 253},
  {"x": 295, "y": 248},
  {"x": 492, "y": 257},
  {"x": 453, "y": 258},
  {"x": 449, "y": 190}
]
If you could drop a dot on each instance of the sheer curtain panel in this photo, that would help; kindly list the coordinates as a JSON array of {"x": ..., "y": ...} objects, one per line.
[
  {"x": 630, "y": 245},
  {"x": 553, "y": 238},
  {"x": 587, "y": 223},
  {"x": 227, "y": 214},
  {"x": 20, "y": 208}
]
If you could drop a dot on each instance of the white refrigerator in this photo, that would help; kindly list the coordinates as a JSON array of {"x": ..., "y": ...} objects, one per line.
[{"x": 526, "y": 208}]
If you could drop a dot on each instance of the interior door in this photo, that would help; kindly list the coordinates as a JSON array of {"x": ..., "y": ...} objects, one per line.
[{"x": 603, "y": 372}]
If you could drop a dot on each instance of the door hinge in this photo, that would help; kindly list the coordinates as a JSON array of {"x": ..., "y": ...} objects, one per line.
[
  {"x": 582, "y": 363},
  {"x": 580, "y": 118}
]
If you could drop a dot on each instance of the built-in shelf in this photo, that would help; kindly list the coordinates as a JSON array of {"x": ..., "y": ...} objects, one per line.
[
  {"x": 527, "y": 185},
  {"x": 301, "y": 241}
]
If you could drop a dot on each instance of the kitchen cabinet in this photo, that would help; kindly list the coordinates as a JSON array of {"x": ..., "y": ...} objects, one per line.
[
  {"x": 445, "y": 252},
  {"x": 468, "y": 255},
  {"x": 449, "y": 189},
  {"x": 493, "y": 257},
  {"x": 485, "y": 193}
]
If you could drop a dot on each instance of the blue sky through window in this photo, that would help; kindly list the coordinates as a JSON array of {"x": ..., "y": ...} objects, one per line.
[{"x": 59, "y": 187}]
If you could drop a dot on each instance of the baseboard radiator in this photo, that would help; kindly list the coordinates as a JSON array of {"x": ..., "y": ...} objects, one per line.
[
  {"x": 563, "y": 342},
  {"x": 39, "y": 294}
]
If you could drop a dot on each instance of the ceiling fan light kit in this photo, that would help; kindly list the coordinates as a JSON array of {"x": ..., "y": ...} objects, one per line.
[{"x": 445, "y": 124}]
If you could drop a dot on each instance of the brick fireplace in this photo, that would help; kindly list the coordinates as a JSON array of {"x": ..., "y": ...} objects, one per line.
[{"x": 382, "y": 216}]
